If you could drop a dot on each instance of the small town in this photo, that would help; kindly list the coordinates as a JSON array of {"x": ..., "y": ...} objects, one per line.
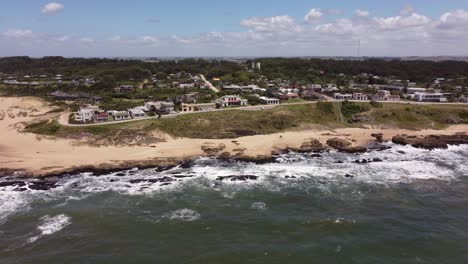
[{"x": 188, "y": 93}]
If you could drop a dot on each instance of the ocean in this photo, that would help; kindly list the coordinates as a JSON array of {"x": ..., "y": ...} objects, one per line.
[{"x": 399, "y": 205}]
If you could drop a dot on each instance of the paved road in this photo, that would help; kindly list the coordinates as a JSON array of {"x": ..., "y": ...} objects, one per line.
[{"x": 210, "y": 85}]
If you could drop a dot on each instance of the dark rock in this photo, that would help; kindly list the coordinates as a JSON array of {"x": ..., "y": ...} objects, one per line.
[
  {"x": 120, "y": 174},
  {"x": 12, "y": 183},
  {"x": 257, "y": 159},
  {"x": 157, "y": 180},
  {"x": 377, "y": 160},
  {"x": 310, "y": 145},
  {"x": 349, "y": 176},
  {"x": 237, "y": 178},
  {"x": 186, "y": 165},
  {"x": 432, "y": 141},
  {"x": 339, "y": 161},
  {"x": 345, "y": 146},
  {"x": 42, "y": 186},
  {"x": 290, "y": 177},
  {"x": 378, "y": 136},
  {"x": 181, "y": 176},
  {"x": 315, "y": 156},
  {"x": 165, "y": 184}
]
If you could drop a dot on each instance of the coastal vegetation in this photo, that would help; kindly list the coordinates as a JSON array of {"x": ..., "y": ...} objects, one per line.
[{"x": 235, "y": 123}]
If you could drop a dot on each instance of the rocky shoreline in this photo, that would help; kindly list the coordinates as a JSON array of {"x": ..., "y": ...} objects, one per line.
[{"x": 22, "y": 181}]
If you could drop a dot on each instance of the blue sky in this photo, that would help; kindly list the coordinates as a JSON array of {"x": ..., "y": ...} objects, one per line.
[{"x": 231, "y": 28}]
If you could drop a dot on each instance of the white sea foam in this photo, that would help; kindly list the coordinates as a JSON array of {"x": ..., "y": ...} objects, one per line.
[
  {"x": 260, "y": 206},
  {"x": 400, "y": 164},
  {"x": 185, "y": 215},
  {"x": 50, "y": 225}
]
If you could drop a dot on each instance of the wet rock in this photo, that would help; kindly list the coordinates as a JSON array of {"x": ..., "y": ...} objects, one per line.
[
  {"x": 378, "y": 137},
  {"x": 290, "y": 177},
  {"x": 237, "y": 178},
  {"x": 120, "y": 174},
  {"x": 349, "y": 176},
  {"x": 431, "y": 141},
  {"x": 339, "y": 161},
  {"x": 310, "y": 145},
  {"x": 186, "y": 165},
  {"x": 257, "y": 159},
  {"x": 225, "y": 155},
  {"x": 42, "y": 185},
  {"x": 315, "y": 156},
  {"x": 181, "y": 176},
  {"x": 165, "y": 184},
  {"x": 157, "y": 180},
  {"x": 377, "y": 160},
  {"x": 344, "y": 146},
  {"x": 12, "y": 183}
]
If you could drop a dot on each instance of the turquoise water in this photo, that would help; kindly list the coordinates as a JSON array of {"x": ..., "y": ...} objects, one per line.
[{"x": 410, "y": 208}]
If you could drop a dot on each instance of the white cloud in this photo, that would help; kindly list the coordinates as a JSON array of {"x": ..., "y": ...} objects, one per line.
[
  {"x": 271, "y": 24},
  {"x": 313, "y": 16},
  {"x": 20, "y": 33},
  {"x": 407, "y": 34},
  {"x": 361, "y": 13},
  {"x": 454, "y": 19},
  {"x": 52, "y": 8},
  {"x": 401, "y": 22},
  {"x": 87, "y": 40}
]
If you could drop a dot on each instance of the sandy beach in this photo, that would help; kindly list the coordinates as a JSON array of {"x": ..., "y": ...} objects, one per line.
[{"x": 41, "y": 155}]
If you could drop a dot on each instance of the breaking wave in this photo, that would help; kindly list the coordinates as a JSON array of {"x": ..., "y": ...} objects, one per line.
[
  {"x": 50, "y": 225},
  {"x": 398, "y": 164}
]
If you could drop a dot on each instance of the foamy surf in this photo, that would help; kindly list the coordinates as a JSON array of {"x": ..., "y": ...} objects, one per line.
[
  {"x": 50, "y": 225},
  {"x": 399, "y": 164},
  {"x": 184, "y": 215}
]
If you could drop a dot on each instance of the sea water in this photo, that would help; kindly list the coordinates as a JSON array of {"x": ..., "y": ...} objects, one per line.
[{"x": 400, "y": 205}]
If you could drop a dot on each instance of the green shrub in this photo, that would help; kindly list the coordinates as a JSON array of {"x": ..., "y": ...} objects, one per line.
[
  {"x": 376, "y": 104},
  {"x": 463, "y": 114},
  {"x": 350, "y": 108}
]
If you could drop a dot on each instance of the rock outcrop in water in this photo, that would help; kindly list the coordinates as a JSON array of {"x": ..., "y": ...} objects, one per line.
[
  {"x": 432, "y": 141},
  {"x": 344, "y": 146}
]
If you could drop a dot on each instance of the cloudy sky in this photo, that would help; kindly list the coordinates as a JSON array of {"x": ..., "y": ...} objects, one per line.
[{"x": 233, "y": 28}]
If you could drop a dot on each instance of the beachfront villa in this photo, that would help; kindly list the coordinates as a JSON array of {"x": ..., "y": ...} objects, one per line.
[
  {"x": 269, "y": 101},
  {"x": 231, "y": 100},
  {"x": 198, "y": 107}
]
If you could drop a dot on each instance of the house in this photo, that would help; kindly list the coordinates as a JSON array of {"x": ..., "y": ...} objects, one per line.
[
  {"x": 136, "y": 113},
  {"x": 86, "y": 114},
  {"x": 464, "y": 99},
  {"x": 390, "y": 87},
  {"x": 186, "y": 85},
  {"x": 344, "y": 97},
  {"x": 59, "y": 95},
  {"x": 198, "y": 107},
  {"x": 124, "y": 88},
  {"x": 429, "y": 97},
  {"x": 310, "y": 95},
  {"x": 101, "y": 117},
  {"x": 360, "y": 97},
  {"x": 232, "y": 87},
  {"x": 120, "y": 115},
  {"x": 269, "y": 101},
  {"x": 385, "y": 96},
  {"x": 230, "y": 100},
  {"x": 160, "y": 107},
  {"x": 412, "y": 90}
]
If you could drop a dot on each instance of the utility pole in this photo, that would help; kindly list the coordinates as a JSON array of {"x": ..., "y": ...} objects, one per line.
[{"x": 359, "y": 50}]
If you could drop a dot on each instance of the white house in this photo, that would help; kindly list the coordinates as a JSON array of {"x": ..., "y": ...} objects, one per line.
[
  {"x": 231, "y": 100},
  {"x": 360, "y": 97},
  {"x": 464, "y": 99},
  {"x": 429, "y": 97},
  {"x": 86, "y": 114},
  {"x": 339, "y": 96},
  {"x": 269, "y": 101},
  {"x": 120, "y": 115},
  {"x": 136, "y": 113}
]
